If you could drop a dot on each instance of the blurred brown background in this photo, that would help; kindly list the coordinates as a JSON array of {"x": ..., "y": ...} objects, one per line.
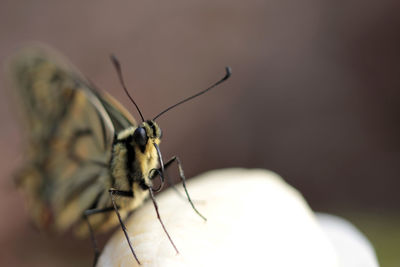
[{"x": 314, "y": 96}]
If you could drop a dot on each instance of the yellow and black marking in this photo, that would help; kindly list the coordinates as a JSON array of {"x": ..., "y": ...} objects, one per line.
[{"x": 84, "y": 148}]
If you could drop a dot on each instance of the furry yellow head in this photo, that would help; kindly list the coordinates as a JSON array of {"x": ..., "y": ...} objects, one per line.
[{"x": 135, "y": 154}]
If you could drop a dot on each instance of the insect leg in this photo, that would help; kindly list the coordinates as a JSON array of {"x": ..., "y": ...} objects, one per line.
[
  {"x": 86, "y": 215},
  {"x": 182, "y": 176},
  {"x": 159, "y": 219},
  {"x": 113, "y": 192},
  {"x": 157, "y": 172},
  {"x": 130, "y": 194}
]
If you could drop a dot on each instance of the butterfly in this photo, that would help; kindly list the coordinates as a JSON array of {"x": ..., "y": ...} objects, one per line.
[{"x": 88, "y": 163}]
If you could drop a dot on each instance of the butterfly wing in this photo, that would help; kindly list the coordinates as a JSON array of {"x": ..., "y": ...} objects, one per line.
[{"x": 70, "y": 128}]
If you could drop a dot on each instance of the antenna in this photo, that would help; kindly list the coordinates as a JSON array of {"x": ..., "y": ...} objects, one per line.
[
  {"x": 227, "y": 75},
  {"x": 117, "y": 66}
]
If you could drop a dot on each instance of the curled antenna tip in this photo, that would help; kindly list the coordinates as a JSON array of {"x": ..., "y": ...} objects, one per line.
[
  {"x": 228, "y": 72},
  {"x": 227, "y": 75},
  {"x": 115, "y": 61}
]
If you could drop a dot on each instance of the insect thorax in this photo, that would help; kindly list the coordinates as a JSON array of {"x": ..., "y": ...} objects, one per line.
[{"x": 133, "y": 161}]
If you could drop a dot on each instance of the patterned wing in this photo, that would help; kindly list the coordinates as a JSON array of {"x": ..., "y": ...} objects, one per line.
[{"x": 70, "y": 129}]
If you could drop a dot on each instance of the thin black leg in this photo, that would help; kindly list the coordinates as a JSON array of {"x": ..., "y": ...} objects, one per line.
[
  {"x": 182, "y": 176},
  {"x": 124, "y": 194},
  {"x": 159, "y": 219},
  {"x": 169, "y": 181},
  {"x": 130, "y": 194},
  {"x": 86, "y": 215}
]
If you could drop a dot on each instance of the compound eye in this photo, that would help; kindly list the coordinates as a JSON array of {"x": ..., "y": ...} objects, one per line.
[
  {"x": 160, "y": 133},
  {"x": 140, "y": 137}
]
